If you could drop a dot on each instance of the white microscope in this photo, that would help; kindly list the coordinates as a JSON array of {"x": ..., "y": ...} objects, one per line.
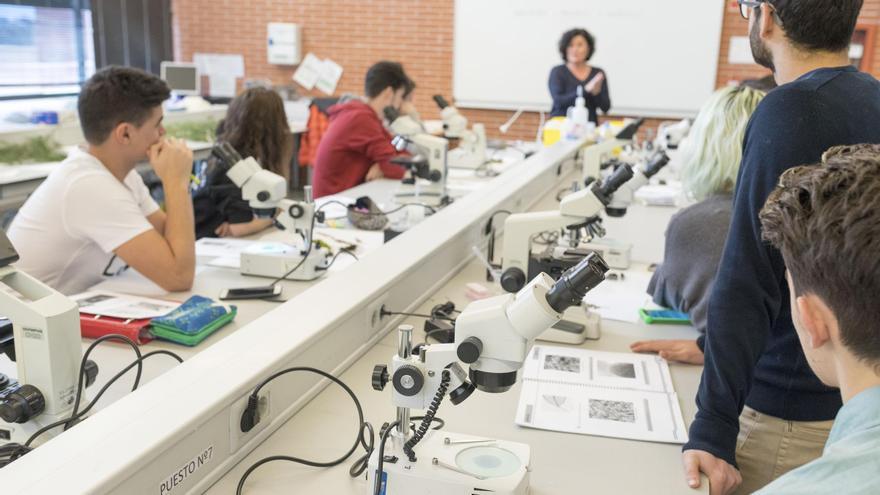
[
  {"x": 493, "y": 337},
  {"x": 577, "y": 209},
  {"x": 427, "y": 165},
  {"x": 669, "y": 136},
  {"x": 46, "y": 348},
  {"x": 593, "y": 155},
  {"x": 266, "y": 193},
  {"x": 471, "y": 150}
]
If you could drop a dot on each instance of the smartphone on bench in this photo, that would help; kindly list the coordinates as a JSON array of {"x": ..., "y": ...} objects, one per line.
[{"x": 261, "y": 292}]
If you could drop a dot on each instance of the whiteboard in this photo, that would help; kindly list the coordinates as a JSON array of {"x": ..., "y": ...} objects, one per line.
[{"x": 661, "y": 57}]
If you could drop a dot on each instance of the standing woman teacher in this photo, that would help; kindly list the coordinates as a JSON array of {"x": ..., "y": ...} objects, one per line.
[{"x": 577, "y": 47}]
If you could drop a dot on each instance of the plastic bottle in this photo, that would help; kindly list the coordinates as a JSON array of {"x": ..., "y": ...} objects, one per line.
[{"x": 577, "y": 119}]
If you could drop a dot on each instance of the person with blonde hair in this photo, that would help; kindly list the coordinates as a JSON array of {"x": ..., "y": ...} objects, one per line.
[{"x": 695, "y": 236}]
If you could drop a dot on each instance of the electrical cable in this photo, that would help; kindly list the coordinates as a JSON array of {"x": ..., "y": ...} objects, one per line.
[
  {"x": 427, "y": 418},
  {"x": 376, "y": 213},
  {"x": 380, "y": 464},
  {"x": 488, "y": 229},
  {"x": 385, "y": 312},
  {"x": 253, "y": 401},
  {"x": 14, "y": 451},
  {"x": 346, "y": 251},
  {"x": 85, "y": 358}
]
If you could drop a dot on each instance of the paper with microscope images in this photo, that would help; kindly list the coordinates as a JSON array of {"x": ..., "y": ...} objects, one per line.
[{"x": 608, "y": 394}]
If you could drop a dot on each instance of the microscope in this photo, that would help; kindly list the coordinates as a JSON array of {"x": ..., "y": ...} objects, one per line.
[
  {"x": 669, "y": 136},
  {"x": 593, "y": 155},
  {"x": 426, "y": 166},
  {"x": 576, "y": 210},
  {"x": 471, "y": 150},
  {"x": 45, "y": 345},
  {"x": 266, "y": 193},
  {"x": 492, "y": 338}
]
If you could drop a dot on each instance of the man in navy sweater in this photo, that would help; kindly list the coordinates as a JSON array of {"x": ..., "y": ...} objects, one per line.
[{"x": 753, "y": 358}]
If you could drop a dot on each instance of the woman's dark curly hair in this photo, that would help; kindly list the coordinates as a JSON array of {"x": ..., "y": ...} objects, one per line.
[{"x": 570, "y": 35}]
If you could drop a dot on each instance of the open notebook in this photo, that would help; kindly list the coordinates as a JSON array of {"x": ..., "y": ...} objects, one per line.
[{"x": 608, "y": 394}]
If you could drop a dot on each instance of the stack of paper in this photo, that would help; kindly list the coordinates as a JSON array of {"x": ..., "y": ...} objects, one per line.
[
  {"x": 600, "y": 393},
  {"x": 622, "y": 298}
]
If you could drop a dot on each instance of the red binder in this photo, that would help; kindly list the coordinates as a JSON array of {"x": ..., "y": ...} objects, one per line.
[{"x": 94, "y": 326}]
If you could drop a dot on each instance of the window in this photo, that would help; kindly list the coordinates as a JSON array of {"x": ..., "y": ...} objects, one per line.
[{"x": 46, "y": 47}]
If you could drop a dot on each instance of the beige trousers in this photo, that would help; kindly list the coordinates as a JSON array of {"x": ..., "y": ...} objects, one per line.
[{"x": 768, "y": 447}]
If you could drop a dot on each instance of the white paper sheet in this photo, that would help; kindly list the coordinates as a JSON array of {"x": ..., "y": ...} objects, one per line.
[
  {"x": 222, "y": 85},
  {"x": 621, "y": 299},
  {"x": 308, "y": 72},
  {"x": 211, "y": 247},
  {"x": 219, "y": 63},
  {"x": 608, "y": 394},
  {"x": 122, "y": 306},
  {"x": 329, "y": 76}
]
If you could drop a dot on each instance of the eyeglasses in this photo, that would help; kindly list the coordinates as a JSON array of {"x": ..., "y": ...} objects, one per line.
[
  {"x": 746, "y": 6},
  {"x": 114, "y": 267}
]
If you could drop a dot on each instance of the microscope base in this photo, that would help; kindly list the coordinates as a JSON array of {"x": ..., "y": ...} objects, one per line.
[
  {"x": 459, "y": 158},
  {"x": 494, "y": 466},
  {"x": 276, "y": 259}
]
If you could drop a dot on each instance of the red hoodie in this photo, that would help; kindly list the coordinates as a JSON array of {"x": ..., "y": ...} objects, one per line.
[{"x": 355, "y": 140}]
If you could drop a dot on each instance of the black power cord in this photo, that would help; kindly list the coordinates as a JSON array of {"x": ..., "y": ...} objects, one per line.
[
  {"x": 365, "y": 437},
  {"x": 249, "y": 420},
  {"x": 341, "y": 251},
  {"x": 427, "y": 419},
  {"x": 377, "y": 213}
]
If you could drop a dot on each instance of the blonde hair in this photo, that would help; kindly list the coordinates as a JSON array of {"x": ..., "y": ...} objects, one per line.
[{"x": 713, "y": 152}]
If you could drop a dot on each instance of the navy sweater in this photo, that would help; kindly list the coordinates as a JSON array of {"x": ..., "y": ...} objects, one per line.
[
  {"x": 752, "y": 352},
  {"x": 563, "y": 88}
]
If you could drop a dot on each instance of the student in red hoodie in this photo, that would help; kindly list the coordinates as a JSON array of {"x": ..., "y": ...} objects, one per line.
[{"x": 356, "y": 147}]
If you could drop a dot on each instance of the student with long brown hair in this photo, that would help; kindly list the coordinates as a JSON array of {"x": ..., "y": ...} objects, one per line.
[{"x": 255, "y": 125}]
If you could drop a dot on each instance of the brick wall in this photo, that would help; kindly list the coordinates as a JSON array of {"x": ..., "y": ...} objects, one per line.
[{"x": 356, "y": 33}]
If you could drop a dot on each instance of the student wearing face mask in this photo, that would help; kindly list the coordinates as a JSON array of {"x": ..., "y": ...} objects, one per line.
[
  {"x": 577, "y": 47},
  {"x": 356, "y": 147}
]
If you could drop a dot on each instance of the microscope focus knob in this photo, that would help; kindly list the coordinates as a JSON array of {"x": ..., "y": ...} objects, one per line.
[
  {"x": 263, "y": 195},
  {"x": 22, "y": 405},
  {"x": 513, "y": 279},
  {"x": 408, "y": 380},
  {"x": 469, "y": 350},
  {"x": 380, "y": 377}
]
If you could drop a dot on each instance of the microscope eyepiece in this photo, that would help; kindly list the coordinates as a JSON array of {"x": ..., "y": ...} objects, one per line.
[
  {"x": 441, "y": 101},
  {"x": 656, "y": 164},
  {"x": 574, "y": 284},
  {"x": 605, "y": 190}
]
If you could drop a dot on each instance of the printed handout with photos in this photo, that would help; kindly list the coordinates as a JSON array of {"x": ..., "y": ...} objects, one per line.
[
  {"x": 122, "y": 306},
  {"x": 607, "y": 394}
]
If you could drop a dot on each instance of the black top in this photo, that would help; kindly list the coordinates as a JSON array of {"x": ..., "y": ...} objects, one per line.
[
  {"x": 752, "y": 352},
  {"x": 218, "y": 200},
  {"x": 694, "y": 241},
  {"x": 563, "y": 88}
]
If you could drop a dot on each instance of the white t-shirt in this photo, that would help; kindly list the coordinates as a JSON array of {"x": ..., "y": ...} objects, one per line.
[{"x": 67, "y": 230}]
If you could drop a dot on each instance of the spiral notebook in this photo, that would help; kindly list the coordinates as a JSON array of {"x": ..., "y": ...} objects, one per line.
[{"x": 608, "y": 394}]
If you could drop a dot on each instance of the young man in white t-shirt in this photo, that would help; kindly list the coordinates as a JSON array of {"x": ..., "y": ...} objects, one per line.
[{"x": 93, "y": 215}]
